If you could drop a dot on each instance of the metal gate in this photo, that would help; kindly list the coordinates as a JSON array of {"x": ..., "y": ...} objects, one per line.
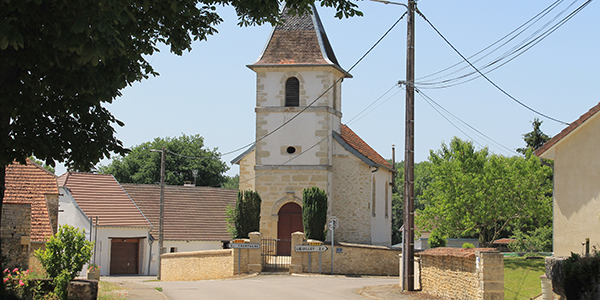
[{"x": 276, "y": 254}]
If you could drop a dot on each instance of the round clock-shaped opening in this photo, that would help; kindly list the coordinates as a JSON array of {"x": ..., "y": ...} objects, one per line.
[{"x": 291, "y": 150}]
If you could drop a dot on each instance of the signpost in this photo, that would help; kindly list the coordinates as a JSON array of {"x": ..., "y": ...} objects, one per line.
[
  {"x": 239, "y": 244},
  {"x": 305, "y": 248},
  {"x": 333, "y": 223}
]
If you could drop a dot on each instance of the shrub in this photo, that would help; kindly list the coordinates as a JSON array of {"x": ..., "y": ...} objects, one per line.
[
  {"x": 468, "y": 245},
  {"x": 64, "y": 256},
  {"x": 581, "y": 276},
  {"x": 314, "y": 213},
  {"x": 539, "y": 240},
  {"x": 246, "y": 215},
  {"x": 436, "y": 239}
]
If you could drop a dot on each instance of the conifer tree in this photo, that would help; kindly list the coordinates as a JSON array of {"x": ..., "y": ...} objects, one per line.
[
  {"x": 314, "y": 213},
  {"x": 247, "y": 213}
]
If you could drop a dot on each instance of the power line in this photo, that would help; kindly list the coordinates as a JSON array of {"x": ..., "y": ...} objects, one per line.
[
  {"x": 487, "y": 78},
  {"x": 507, "y": 56},
  {"x": 430, "y": 101}
]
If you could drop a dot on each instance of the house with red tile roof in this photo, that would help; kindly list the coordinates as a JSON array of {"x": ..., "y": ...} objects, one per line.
[
  {"x": 301, "y": 141},
  {"x": 29, "y": 213},
  {"x": 98, "y": 204},
  {"x": 576, "y": 198},
  {"x": 194, "y": 216}
]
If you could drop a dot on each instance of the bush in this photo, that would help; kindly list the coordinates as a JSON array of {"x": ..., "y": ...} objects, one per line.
[
  {"x": 245, "y": 218},
  {"x": 314, "y": 213},
  {"x": 581, "y": 276},
  {"x": 468, "y": 245},
  {"x": 436, "y": 240},
  {"x": 64, "y": 256}
]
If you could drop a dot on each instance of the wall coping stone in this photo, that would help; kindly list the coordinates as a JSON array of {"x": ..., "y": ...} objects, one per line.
[
  {"x": 220, "y": 252},
  {"x": 454, "y": 252}
]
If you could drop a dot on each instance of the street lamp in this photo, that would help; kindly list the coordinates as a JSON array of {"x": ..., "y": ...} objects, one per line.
[
  {"x": 161, "y": 216},
  {"x": 408, "y": 250},
  {"x": 195, "y": 174}
]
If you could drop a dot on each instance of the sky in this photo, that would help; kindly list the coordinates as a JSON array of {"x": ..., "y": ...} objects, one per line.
[{"x": 210, "y": 91}]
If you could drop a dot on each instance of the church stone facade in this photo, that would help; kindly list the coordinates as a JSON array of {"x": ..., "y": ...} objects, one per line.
[{"x": 301, "y": 142}]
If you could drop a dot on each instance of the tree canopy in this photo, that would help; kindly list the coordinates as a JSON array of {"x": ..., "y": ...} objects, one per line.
[
  {"x": 183, "y": 155},
  {"x": 534, "y": 139},
  {"x": 475, "y": 193},
  {"x": 62, "y": 61}
]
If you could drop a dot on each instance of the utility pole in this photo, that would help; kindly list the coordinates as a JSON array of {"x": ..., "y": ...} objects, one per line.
[
  {"x": 161, "y": 217},
  {"x": 408, "y": 251},
  {"x": 408, "y": 235}
]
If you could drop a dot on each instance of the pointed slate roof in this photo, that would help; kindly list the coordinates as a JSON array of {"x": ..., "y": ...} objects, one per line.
[
  {"x": 541, "y": 152},
  {"x": 301, "y": 41},
  {"x": 29, "y": 184},
  {"x": 353, "y": 143},
  {"x": 191, "y": 213},
  {"x": 100, "y": 195}
]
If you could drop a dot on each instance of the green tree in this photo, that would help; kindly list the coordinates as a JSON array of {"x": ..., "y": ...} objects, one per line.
[
  {"x": 62, "y": 61},
  {"x": 64, "y": 256},
  {"x": 142, "y": 165},
  {"x": 477, "y": 194},
  {"x": 314, "y": 213},
  {"x": 232, "y": 182},
  {"x": 423, "y": 178},
  {"x": 246, "y": 215},
  {"x": 41, "y": 163},
  {"x": 436, "y": 239},
  {"x": 534, "y": 139}
]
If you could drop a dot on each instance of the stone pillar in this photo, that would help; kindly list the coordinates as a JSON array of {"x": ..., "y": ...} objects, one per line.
[
  {"x": 490, "y": 269},
  {"x": 297, "y": 257},
  {"x": 254, "y": 255}
]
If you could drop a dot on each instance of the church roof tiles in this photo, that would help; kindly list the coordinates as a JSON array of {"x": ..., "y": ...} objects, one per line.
[
  {"x": 301, "y": 41},
  {"x": 359, "y": 145}
]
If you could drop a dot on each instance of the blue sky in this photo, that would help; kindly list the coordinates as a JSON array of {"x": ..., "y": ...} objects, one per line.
[{"x": 210, "y": 91}]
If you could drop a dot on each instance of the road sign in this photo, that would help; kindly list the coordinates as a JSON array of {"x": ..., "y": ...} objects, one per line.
[
  {"x": 306, "y": 248},
  {"x": 333, "y": 223},
  {"x": 243, "y": 246}
]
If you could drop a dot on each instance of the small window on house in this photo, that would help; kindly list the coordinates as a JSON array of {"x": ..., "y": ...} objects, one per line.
[
  {"x": 173, "y": 250},
  {"x": 374, "y": 197},
  {"x": 292, "y": 92}
]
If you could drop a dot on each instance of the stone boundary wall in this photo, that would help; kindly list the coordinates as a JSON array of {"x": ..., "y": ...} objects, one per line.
[
  {"x": 15, "y": 232},
  {"x": 452, "y": 273},
  {"x": 197, "y": 265},
  {"x": 348, "y": 259}
]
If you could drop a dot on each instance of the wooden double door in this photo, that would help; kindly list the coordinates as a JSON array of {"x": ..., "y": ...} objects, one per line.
[
  {"x": 290, "y": 220},
  {"x": 124, "y": 256}
]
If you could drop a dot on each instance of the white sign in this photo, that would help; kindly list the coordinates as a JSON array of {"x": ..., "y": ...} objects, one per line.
[
  {"x": 243, "y": 246},
  {"x": 333, "y": 223},
  {"x": 306, "y": 248}
]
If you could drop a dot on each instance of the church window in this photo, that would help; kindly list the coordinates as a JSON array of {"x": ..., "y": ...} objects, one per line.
[
  {"x": 292, "y": 92},
  {"x": 291, "y": 150},
  {"x": 374, "y": 197}
]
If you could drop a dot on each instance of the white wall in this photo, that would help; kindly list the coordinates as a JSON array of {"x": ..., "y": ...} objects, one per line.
[{"x": 381, "y": 223}]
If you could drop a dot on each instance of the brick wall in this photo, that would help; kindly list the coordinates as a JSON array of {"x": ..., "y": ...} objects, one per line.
[
  {"x": 197, "y": 265},
  {"x": 467, "y": 274},
  {"x": 16, "y": 227},
  {"x": 348, "y": 258}
]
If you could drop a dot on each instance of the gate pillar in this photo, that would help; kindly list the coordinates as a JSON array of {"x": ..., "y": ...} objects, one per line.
[
  {"x": 254, "y": 255},
  {"x": 296, "y": 264}
]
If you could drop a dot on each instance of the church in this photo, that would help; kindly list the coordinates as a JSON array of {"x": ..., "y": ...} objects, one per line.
[{"x": 301, "y": 142}]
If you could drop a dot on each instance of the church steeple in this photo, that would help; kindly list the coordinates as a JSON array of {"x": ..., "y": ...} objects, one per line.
[{"x": 299, "y": 41}]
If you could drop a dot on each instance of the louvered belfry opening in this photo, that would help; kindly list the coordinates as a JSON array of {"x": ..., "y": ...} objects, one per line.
[{"x": 292, "y": 92}]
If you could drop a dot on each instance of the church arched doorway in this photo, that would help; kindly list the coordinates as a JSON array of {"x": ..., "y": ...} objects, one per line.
[{"x": 290, "y": 220}]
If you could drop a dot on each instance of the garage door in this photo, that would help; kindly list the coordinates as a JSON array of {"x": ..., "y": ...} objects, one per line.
[{"x": 124, "y": 256}]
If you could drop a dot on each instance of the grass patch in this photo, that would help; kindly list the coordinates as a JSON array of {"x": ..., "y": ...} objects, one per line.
[
  {"x": 522, "y": 277},
  {"x": 110, "y": 291}
]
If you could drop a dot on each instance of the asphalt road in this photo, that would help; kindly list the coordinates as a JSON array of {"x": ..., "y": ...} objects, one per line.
[{"x": 288, "y": 287}]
